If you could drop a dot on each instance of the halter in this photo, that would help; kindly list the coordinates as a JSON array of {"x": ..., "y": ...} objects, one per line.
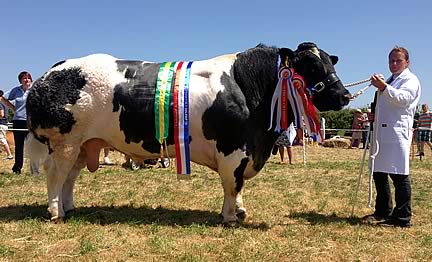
[{"x": 329, "y": 80}]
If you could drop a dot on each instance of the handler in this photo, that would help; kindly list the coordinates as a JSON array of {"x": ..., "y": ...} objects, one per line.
[{"x": 396, "y": 101}]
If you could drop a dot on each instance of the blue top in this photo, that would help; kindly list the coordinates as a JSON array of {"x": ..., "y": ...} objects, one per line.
[
  {"x": 4, "y": 120},
  {"x": 19, "y": 96}
]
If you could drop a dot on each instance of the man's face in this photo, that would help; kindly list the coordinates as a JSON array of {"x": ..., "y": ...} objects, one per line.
[{"x": 397, "y": 62}]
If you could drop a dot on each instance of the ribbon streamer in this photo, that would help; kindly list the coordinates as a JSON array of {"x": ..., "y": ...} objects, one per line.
[
  {"x": 162, "y": 97},
  {"x": 181, "y": 119},
  {"x": 290, "y": 87}
]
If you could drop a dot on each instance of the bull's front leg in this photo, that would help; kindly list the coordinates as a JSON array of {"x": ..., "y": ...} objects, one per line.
[
  {"x": 61, "y": 163},
  {"x": 233, "y": 181},
  {"x": 229, "y": 204},
  {"x": 240, "y": 209}
]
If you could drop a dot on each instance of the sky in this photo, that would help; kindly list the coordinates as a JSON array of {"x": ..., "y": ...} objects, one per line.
[{"x": 34, "y": 35}]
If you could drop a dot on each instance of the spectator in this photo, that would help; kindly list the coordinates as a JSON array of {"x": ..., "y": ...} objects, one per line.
[
  {"x": 424, "y": 126},
  {"x": 285, "y": 139},
  {"x": 366, "y": 125},
  {"x": 357, "y": 126},
  {"x": 415, "y": 127},
  {"x": 18, "y": 95},
  {"x": 3, "y": 130}
]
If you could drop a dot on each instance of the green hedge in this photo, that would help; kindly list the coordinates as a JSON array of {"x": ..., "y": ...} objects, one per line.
[{"x": 339, "y": 119}]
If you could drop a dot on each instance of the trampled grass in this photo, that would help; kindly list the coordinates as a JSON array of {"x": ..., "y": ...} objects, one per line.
[{"x": 296, "y": 213}]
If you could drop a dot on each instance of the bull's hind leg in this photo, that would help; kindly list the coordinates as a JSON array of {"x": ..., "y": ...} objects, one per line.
[
  {"x": 62, "y": 161},
  {"x": 68, "y": 186}
]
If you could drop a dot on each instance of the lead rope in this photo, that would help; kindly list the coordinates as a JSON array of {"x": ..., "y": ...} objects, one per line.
[
  {"x": 361, "y": 171},
  {"x": 361, "y": 91},
  {"x": 372, "y": 147},
  {"x": 375, "y": 147},
  {"x": 357, "y": 83}
]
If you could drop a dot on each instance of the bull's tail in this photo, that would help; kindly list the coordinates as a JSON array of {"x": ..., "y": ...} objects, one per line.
[{"x": 36, "y": 152}]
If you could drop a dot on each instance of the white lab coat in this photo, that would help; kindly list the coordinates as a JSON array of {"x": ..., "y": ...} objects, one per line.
[{"x": 394, "y": 116}]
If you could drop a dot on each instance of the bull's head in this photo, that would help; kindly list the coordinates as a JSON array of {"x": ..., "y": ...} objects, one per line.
[{"x": 317, "y": 69}]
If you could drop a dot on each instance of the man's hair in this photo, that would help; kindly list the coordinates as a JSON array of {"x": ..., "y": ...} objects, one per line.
[{"x": 402, "y": 50}]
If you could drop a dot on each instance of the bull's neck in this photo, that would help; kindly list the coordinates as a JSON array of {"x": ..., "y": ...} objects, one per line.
[{"x": 256, "y": 74}]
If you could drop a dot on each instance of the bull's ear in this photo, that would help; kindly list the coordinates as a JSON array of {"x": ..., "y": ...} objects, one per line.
[
  {"x": 334, "y": 59},
  {"x": 285, "y": 53}
]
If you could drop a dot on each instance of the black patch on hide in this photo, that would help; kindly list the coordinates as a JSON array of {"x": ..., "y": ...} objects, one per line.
[
  {"x": 225, "y": 120},
  {"x": 239, "y": 116},
  {"x": 58, "y": 63},
  {"x": 238, "y": 174},
  {"x": 135, "y": 100},
  {"x": 48, "y": 97}
]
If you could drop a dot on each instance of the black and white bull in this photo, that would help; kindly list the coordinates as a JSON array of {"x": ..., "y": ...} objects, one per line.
[{"x": 82, "y": 105}]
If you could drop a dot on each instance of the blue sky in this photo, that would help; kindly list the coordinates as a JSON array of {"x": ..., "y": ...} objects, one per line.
[{"x": 36, "y": 34}]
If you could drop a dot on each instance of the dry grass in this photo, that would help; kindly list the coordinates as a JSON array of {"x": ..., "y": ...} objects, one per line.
[{"x": 296, "y": 213}]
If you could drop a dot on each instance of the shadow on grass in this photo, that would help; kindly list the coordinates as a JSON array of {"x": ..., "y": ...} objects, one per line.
[
  {"x": 320, "y": 219},
  {"x": 105, "y": 215}
]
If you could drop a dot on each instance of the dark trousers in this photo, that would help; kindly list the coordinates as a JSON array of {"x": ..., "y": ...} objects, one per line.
[
  {"x": 19, "y": 137},
  {"x": 384, "y": 206}
]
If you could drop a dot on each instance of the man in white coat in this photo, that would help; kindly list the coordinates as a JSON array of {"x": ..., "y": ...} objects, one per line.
[{"x": 395, "y": 105}]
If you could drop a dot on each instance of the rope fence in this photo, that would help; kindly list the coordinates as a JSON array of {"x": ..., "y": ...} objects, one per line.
[{"x": 324, "y": 129}]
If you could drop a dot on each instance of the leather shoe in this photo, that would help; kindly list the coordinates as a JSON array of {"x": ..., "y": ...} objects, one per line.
[
  {"x": 394, "y": 223},
  {"x": 373, "y": 218}
]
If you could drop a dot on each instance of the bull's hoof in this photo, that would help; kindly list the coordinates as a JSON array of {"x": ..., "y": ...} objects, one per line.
[
  {"x": 231, "y": 224},
  {"x": 241, "y": 214},
  {"x": 57, "y": 220}
]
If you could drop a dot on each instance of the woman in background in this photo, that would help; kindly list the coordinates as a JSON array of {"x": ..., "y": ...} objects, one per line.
[{"x": 18, "y": 95}]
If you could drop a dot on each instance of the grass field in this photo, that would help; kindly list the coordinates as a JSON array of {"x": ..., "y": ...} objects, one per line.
[{"x": 296, "y": 213}]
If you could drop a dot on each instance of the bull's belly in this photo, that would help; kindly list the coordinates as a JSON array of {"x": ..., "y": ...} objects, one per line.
[{"x": 202, "y": 151}]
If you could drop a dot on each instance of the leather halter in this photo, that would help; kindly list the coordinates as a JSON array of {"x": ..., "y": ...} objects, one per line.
[
  {"x": 318, "y": 87},
  {"x": 329, "y": 80}
]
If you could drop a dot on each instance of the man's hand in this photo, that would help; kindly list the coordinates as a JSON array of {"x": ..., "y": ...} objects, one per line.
[{"x": 377, "y": 80}]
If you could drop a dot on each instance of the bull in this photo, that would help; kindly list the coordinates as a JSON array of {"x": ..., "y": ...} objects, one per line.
[{"x": 82, "y": 105}]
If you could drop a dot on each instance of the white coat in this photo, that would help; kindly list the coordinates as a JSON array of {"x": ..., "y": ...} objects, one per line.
[{"x": 394, "y": 116}]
